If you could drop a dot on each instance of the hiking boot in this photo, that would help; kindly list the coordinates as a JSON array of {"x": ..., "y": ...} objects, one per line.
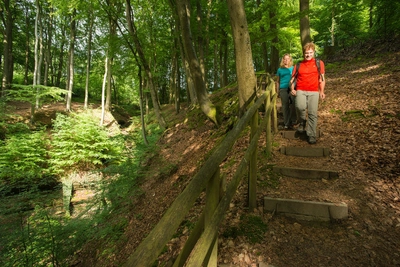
[
  {"x": 312, "y": 140},
  {"x": 302, "y": 127}
]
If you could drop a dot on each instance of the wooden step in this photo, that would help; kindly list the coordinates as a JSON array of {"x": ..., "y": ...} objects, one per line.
[
  {"x": 306, "y": 210},
  {"x": 305, "y": 151},
  {"x": 306, "y": 173},
  {"x": 292, "y": 134}
]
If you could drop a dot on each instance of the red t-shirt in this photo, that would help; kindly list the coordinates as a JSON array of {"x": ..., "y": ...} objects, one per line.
[{"x": 308, "y": 78}]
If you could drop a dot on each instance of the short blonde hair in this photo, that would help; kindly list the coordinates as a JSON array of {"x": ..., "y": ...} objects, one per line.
[
  {"x": 290, "y": 62},
  {"x": 308, "y": 46}
]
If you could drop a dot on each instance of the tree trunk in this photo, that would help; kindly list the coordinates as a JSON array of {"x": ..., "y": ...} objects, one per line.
[
  {"x": 205, "y": 104},
  {"x": 8, "y": 64},
  {"x": 332, "y": 28},
  {"x": 178, "y": 89},
  {"x": 216, "y": 67},
  {"x": 113, "y": 31},
  {"x": 264, "y": 49},
  {"x": 39, "y": 64},
  {"x": 70, "y": 66},
  {"x": 60, "y": 59},
  {"x": 27, "y": 45},
  {"x": 141, "y": 106},
  {"x": 200, "y": 40},
  {"x": 274, "y": 63},
  {"x": 175, "y": 95},
  {"x": 191, "y": 92},
  {"x": 224, "y": 59},
  {"x": 37, "y": 51},
  {"x": 190, "y": 88},
  {"x": 305, "y": 35},
  {"x": 244, "y": 60},
  {"x": 47, "y": 52},
  {"x": 103, "y": 93},
  {"x": 89, "y": 57},
  {"x": 133, "y": 32}
]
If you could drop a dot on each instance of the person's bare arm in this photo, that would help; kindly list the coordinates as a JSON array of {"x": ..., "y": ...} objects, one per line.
[{"x": 322, "y": 87}]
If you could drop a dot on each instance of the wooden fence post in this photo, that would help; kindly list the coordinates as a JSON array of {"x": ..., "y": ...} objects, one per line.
[
  {"x": 212, "y": 200},
  {"x": 268, "y": 128},
  {"x": 274, "y": 111},
  {"x": 252, "y": 179}
]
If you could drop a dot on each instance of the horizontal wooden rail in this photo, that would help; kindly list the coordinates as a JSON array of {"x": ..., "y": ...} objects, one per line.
[
  {"x": 203, "y": 245},
  {"x": 149, "y": 249}
]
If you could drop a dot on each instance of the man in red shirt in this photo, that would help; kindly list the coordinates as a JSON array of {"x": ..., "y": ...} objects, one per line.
[{"x": 310, "y": 87}]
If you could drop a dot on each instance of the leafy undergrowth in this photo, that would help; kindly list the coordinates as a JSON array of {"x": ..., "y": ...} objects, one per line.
[{"x": 360, "y": 124}]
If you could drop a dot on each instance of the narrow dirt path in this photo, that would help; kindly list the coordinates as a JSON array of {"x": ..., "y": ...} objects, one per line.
[{"x": 361, "y": 125}]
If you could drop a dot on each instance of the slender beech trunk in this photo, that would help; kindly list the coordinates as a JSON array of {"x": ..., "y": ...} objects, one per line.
[
  {"x": 274, "y": 64},
  {"x": 89, "y": 57},
  {"x": 200, "y": 40},
  {"x": 8, "y": 62},
  {"x": 36, "y": 71},
  {"x": 103, "y": 93},
  {"x": 216, "y": 66},
  {"x": 305, "y": 35},
  {"x": 27, "y": 45},
  {"x": 191, "y": 92},
  {"x": 182, "y": 9},
  {"x": 71, "y": 60},
  {"x": 113, "y": 32},
  {"x": 141, "y": 106},
  {"x": 224, "y": 59},
  {"x": 244, "y": 59},
  {"x": 47, "y": 52},
  {"x": 139, "y": 48},
  {"x": 61, "y": 58},
  {"x": 39, "y": 64}
]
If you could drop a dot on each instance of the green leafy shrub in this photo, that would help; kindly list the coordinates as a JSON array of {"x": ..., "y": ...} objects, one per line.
[
  {"x": 24, "y": 160},
  {"x": 42, "y": 239},
  {"x": 79, "y": 143}
]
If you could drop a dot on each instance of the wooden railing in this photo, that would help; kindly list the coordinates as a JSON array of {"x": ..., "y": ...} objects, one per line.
[{"x": 201, "y": 247}]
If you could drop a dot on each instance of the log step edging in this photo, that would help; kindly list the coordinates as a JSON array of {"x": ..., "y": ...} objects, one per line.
[
  {"x": 305, "y": 151},
  {"x": 306, "y": 210},
  {"x": 306, "y": 173},
  {"x": 291, "y": 134}
]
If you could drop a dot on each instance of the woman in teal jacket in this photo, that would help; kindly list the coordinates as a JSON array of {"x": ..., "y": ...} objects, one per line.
[{"x": 284, "y": 74}]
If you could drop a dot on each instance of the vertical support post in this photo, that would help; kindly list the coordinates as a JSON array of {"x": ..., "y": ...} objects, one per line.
[
  {"x": 212, "y": 200},
  {"x": 268, "y": 118},
  {"x": 252, "y": 186},
  {"x": 274, "y": 111},
  {"x": 67, "y": 187}
]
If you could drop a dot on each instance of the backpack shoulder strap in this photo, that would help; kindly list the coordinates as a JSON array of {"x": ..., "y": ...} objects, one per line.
[
  {"x": 297, "y": 70},
  {"x": 318, "y": 65},
  {"x": 317, "y": 62}
]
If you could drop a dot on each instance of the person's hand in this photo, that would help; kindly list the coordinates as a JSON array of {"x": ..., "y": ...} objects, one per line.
[
  {"x": 322, "y": 95},
  {"x": 293, "y": 92}
]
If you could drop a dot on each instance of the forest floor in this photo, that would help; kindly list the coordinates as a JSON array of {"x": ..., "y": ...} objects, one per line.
[{"x": 360, "y": 124}]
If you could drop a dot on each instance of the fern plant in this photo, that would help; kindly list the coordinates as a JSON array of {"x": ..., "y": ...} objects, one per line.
[
  {"x": 79, "y": 143},
  {"x": 24, "y": 159}
]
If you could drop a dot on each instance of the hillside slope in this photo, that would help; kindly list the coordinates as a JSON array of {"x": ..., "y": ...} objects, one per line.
[{"x": 360, "y": 122}]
